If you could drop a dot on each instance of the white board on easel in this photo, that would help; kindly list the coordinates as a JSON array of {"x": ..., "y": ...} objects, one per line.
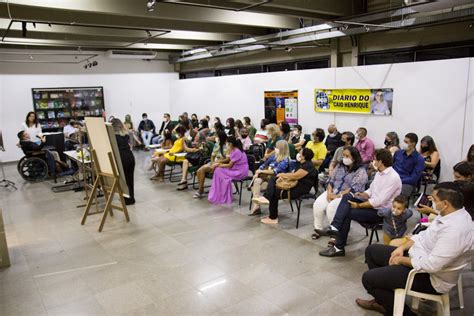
[{"x": 102, "y": 140}]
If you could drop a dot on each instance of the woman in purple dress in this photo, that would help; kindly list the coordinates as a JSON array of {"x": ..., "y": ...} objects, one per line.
[{"x": 236, "y": 169}]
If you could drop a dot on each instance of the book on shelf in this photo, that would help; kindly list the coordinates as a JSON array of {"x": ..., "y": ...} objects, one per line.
[
  {"x": 51, "y": 115},
  {"x": 41, "y": 115}
]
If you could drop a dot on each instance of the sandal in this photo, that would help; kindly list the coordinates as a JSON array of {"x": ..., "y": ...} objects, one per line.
[
  {"x": 315, "y": 236},
  {"x": 182, "y": 187},
  {"x": 258, "y": 211}
]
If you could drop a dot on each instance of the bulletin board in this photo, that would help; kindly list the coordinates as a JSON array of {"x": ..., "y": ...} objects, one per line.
[{"x": 281, "y": 106}]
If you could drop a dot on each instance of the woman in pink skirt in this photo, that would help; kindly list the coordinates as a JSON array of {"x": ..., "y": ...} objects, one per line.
[{"x": 236, "y": 169}]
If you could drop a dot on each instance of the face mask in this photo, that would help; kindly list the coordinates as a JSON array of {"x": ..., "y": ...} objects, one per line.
[
  {"x": 200, "y": 125},
  {"x": 387, "y": 143},
  {"x": 298, "y": 157},
  {"x": 347, "y": 161},
  {"x": 434, "y": 206},
  {"x": 244, "y": 136},
  {"x": 424, "y": 149},
  {"x": 145, "y": 118},
  {"x": 404, "y": 146},
  {"x": 277, "y": 151}
]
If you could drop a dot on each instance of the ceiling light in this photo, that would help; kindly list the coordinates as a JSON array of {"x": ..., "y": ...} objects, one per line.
[
  {"x": 148, "y": 33},
  {"x": 31, "y": 57},
  {"x": 367, "y": 29},
  {"x": 150, "y": 6}
]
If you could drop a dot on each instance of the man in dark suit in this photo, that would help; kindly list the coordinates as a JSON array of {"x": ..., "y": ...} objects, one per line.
[{"x": 165, "y": 125}]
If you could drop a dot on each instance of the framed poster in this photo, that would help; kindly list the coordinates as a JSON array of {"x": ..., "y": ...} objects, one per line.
[
  {"x": 357, "y": 101},
  {"x": 281, "y": 106}
]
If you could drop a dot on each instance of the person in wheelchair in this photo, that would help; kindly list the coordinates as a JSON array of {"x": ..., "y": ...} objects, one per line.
[{"x": 32, "y": 149}]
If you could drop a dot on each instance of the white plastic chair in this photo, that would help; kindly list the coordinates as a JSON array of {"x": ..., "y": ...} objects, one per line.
[{"x": 443, "y": 300}]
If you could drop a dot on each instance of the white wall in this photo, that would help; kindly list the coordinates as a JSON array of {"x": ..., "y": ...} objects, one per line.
[
  {"x": 430, "y": 98},
  {"x": 124, "y": 93}
]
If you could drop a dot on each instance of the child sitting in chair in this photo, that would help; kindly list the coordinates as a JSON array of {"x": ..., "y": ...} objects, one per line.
[{"x": 395, "y": 219}]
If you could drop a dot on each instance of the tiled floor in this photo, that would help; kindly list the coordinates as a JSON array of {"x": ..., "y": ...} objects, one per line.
[{"x": 176, "y": 256}]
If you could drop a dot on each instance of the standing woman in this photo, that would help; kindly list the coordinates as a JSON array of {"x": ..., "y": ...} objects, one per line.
[
  {"x": 224, "y": 173},
  {"x": 126, "y": 155},
  {"x": 32, "y": 127},
  {"x": 430, "y": 154}
]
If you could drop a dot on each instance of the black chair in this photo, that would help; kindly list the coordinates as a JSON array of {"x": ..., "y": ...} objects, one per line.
[
  {"x": 251, "y": 162},
  {"x": 299, "y": 200},
  {"x": 373, "y": 230},
  {"x": 427, "y": 179}
]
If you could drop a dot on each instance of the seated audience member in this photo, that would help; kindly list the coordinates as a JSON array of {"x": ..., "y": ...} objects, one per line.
[
  {"x": 126, "y": 156},
  {"x": 347, "y": 139},
  {"x": 196, "y": 154},
  {"x": 194, "y": 120},
  {"x": 430, "y": 154},
  {"x": 333, "y": 142},
  {"x": 463, "y": 171},
  {"x": 409, "y": 164},
  {"x": 216, "y": 128},
  {"x": 364, "y": 145},
  {"x": 178, "y": 147},
  {"x": 395, "y": 219},
  {"x": 167, "y": 143},
  {"x": 72, "y": 134},
  {"x": 318, "y": 147},
  {"x": 285, "y": 131},
  {"x": 224, "y": 173},
  {"x": 446, "y": 243},
  {"x": 70, "y": 129},
  {"x": 219, "y": 155},
  {"x": 203, "y": 130},
  {"x": 230, "y": 128},
  {"x": 32, "y": 127},
  {"x": 238, "y": 127},
  {"x": 274, "y": 135},
  {"x": 470, "y": 154},
  {"x": 348, "y": 176},
  {"x": 305, "y": 174},
  {"x": 167, "y": 124},
  {"x": 261, "y": 135},
  {"x": 277, "y": 163},
  {"x": 392, "y": 142},
  {"x": 132, "y": 134},
  {"x": 245, "y": 139},
  {"x": 363, "y": 206},
  {"x": 146, "y": 129},
  {"x": 251, "y": 130},
  {"x": 297, "y": 137},
  {"x": 185, "y": 121}
]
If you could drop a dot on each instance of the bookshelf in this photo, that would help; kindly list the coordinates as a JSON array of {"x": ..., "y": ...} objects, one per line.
[{"x": 54, "y": 107}]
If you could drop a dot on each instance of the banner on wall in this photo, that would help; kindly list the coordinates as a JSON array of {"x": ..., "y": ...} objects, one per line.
[
  {"x": 358, "y": 101},
  {"x": 281, "y": 106}
]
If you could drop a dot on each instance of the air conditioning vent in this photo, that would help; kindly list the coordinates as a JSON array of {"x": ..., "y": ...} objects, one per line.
[{"x": 130, "y": 54}]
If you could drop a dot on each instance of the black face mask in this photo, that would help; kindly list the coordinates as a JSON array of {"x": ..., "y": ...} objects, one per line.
[
  {"x": 424, "y": 149},
  {"x": 387, "y": 143},
  {"x": 244, "y": 136}
]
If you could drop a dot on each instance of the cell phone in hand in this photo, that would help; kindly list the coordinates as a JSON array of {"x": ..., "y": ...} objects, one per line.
[{"x": 423, "y": 200}]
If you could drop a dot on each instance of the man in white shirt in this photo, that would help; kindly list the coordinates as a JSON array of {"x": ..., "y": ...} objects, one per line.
[
  {"x": 446, "y": 243},
  {"x": 70, "y": 129},
  {"x": 363, "y": 206}
]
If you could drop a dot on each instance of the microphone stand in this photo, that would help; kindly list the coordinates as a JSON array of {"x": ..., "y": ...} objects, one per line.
[{"x": 4, "y": 182}]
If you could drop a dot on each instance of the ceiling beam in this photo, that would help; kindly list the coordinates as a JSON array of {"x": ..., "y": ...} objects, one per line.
[{"x": 163, "y": 11}]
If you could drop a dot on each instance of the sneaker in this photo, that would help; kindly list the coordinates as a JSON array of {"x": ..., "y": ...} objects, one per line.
[
  {"x": 333, "y": 252},
  {"x": 260, "y": 200},
  {"x": 268, "y": 220}
]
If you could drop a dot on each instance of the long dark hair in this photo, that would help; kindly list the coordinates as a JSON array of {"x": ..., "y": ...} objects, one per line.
[
  {"x": 28, "y": 123},
  {"x": 204, "y": 124},
  {"x": 181, "y": 130},
  {"x": 222, "y": 136},
  {"x": 239, "y": 124},
  {"x": 231, "y": 126},
  {"x": 236, "y": 143},
  {"x": 395, "y": 141},
  {"x": 470, "y": 154},
  {"x": 357, "y": 159},
  {"x": 431, "y": 144},
  {"x": 218, "y": 126}
]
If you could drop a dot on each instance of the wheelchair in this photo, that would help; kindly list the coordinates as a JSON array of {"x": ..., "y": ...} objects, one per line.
[{"x": 33, "y": 167}]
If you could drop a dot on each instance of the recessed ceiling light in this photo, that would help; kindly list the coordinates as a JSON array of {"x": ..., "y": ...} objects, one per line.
[{"x": 150, "y": 6}]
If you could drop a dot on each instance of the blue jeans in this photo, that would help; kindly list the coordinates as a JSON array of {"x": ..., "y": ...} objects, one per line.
[
  {"x": 146, "y": 136},
  {"x": 345, "y": 214}
]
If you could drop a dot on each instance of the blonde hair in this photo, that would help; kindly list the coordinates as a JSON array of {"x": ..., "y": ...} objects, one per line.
[
  {"x": 119, "y": 128},
  {"x": 283, "y": 150},
  {"x": 273, "y": 130}
]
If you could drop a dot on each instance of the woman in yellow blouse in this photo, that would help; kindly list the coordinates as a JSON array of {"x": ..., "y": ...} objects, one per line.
[{"x": 178, "y": 147}]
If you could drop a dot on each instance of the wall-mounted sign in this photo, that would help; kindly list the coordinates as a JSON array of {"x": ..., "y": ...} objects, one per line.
[
  {"x": 359, "y": 101},
  {"x": 281, "y": 106}
]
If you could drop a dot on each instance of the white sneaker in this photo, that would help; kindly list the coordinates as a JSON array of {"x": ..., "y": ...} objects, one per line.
[{"x": 198, "y": 195}]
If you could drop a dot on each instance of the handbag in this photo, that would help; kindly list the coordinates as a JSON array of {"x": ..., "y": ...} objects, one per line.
[
  {"x": 286, "y": 185},
  {"x": 194, "y": 158}
]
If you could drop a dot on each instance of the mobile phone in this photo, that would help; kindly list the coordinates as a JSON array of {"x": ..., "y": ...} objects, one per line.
[{"x": 423, "y": 199}]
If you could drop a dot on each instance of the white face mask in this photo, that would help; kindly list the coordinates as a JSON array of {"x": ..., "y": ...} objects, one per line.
[
  {"x": 277, "y": 151},
  {"x": 347, "y": 161},
  {"x": 404, "y": 146},
  {"x": 433, "y": 206},
  {"x": 298, "y": 157}
]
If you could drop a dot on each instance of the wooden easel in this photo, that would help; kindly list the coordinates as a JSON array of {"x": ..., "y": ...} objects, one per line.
[{"x": 109, "y": 191}]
